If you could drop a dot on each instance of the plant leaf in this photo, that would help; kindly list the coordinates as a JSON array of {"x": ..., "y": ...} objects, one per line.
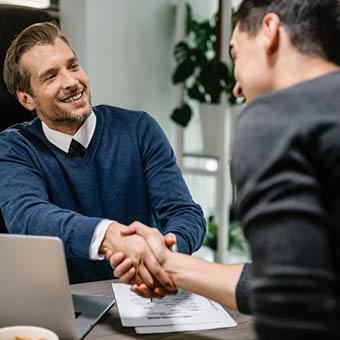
[
  {"x": 183, "y": 71},
  {"x": 182, "y": 115}
]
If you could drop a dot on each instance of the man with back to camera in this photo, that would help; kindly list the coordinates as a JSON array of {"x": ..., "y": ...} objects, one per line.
[
  {"x": 286, "y": 165},
  {"x": 82, "y": 173}
]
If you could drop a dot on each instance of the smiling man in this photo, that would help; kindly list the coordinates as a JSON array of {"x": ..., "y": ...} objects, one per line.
[
  {"x": 61, "y": 96},
  {"x": 82, "y": 173}
]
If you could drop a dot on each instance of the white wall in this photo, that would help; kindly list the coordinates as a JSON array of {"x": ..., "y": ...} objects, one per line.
[
  {"x": 126, "y": 47},
  {"x": 73, "y": 17}
]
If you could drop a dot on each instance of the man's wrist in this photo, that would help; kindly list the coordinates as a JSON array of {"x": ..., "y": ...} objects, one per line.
[
  {"x": 169, "y": 264},
  {"x": 112, "y": 238},
  {"x": 97, "y": 239}
]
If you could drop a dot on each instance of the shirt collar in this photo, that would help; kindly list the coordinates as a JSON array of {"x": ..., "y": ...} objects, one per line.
[{"x": 63, "y": 140}]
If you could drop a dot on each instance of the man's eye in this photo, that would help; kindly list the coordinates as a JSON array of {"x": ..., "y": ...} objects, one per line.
[
  {"x": 50, "y": 77},
  {"x": 74, "y": 67}
]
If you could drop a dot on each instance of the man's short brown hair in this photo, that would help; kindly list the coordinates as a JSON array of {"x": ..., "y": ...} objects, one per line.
[{"x": 15, "y": 76}]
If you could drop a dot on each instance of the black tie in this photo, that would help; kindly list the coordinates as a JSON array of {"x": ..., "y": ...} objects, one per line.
[{"x": 76, "y": 149}]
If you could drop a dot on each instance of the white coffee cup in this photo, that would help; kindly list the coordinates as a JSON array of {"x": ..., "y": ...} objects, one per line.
[{"x": 27, "y": 333}]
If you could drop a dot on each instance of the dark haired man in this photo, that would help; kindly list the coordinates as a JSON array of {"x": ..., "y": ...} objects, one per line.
[
  {"x": 286, "y": 165},
  {"x": 82, "y": 173}
]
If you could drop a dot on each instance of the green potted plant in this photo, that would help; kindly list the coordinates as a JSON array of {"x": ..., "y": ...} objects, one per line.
[
  {"x": 237, "y": 243},
  {"x": 199, "y": 67}
]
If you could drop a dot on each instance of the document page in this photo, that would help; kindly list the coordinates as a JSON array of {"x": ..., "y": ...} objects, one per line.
[{"x": 173, "y": 311}]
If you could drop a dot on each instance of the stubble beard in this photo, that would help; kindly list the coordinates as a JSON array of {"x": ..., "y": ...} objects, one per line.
[
  {"x": 69, "y": 118},
  {"x": 66, "y": 118}
]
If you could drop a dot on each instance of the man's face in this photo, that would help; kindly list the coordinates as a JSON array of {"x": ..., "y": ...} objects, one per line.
[
  {"x": 60, "y": 87},
  {"x": 250, "y": 69}
]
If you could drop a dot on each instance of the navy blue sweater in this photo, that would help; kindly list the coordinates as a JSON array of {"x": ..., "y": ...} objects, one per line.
[{"x": 129, "y": 173}]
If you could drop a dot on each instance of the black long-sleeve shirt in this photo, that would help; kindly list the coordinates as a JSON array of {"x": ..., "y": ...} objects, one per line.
[{"x": 286, "y": 164}]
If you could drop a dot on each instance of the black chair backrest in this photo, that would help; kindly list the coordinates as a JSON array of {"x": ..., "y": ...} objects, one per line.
[
  {"x": 3, "y": 228},
  {"x": 13, "y": 19}
]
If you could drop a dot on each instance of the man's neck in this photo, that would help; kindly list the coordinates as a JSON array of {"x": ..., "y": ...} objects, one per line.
[
  {"x": 297, "y": 68},
  {"x": 70, "y": 129}
]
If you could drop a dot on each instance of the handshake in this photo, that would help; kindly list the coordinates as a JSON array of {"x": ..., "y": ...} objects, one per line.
[{"x": 141, "y": 256}]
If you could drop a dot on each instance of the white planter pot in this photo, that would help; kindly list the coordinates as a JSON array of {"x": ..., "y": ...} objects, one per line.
[{"x": 212, "y": 121}]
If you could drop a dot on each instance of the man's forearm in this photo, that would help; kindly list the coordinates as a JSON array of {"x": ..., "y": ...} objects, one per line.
[{"x": 213, "y": 280}]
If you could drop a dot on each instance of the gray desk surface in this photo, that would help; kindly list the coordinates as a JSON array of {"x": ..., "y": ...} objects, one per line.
[{"x": 110, "y": 326}]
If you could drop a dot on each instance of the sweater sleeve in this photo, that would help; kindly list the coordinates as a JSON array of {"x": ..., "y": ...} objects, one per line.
[
  {"x": 170, "y": 197},
  {"x": 25, "y": 205},
  {"x": 242, "y": 290},
  {"x": 293, "y": 285}
]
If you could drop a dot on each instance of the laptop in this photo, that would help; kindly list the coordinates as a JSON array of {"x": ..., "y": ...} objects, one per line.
[{"x": 34, "y": 288}]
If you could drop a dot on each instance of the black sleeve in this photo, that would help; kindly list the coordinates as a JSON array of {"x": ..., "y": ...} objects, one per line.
[
  {"x": 242, "y": 290},
  {"x": 293, "y": 284}
]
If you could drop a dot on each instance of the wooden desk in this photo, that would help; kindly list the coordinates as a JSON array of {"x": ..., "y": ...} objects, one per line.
[{"x": 110, "y": 326}]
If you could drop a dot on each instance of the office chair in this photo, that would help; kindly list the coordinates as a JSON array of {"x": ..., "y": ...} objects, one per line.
[
  {"x": 3, "y": 228},
  {"x": 13, "y": 19}
]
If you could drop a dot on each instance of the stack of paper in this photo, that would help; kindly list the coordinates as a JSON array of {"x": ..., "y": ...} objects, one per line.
[{"x": 184, "y": 311}]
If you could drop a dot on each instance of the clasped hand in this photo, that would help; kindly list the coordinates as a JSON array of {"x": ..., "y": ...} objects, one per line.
[{"x": 139, "y": 259}]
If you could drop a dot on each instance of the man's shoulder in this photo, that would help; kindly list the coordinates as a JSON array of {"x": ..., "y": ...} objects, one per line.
[
  {"x": 20, "y": 130},
  {"x": 19, "y": 139},
  {"x": 115, "y": 112},
  {"x": 300, "y": 101},
  {"x": 122, "y": 119}
]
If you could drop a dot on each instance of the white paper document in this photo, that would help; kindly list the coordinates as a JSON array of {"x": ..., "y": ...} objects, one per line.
[
  {"x": 180, "y": 312},
  {"x": 183, "y": 328}
]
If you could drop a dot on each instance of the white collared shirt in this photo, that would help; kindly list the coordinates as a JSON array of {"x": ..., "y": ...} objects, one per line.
[
  {"x": 63, "y": 140},
  {"x": 83, "y": 136}
]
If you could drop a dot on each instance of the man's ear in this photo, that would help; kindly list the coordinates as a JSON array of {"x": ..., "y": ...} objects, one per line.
[
  {"x": 271, "y": 24},
  {"x": 26, "y": 100}
]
